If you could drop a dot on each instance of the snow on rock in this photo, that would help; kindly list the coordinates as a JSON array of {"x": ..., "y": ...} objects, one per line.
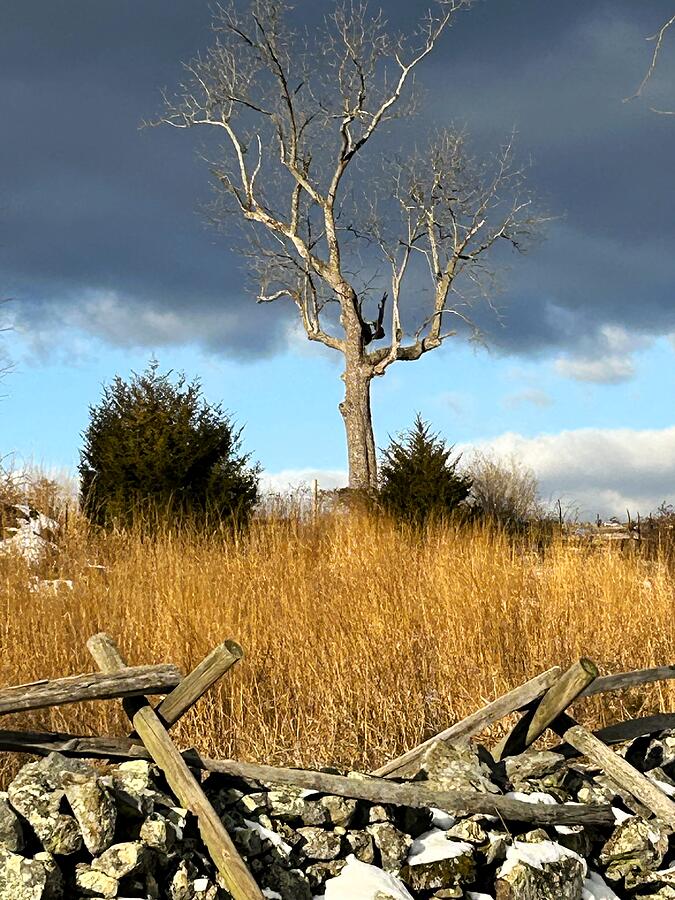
[
  {"x": 360, "y": 881},
  {"x": 536, "y": 855},
  {"x": 435, "y": 845},
  {"x": 268, "y": 835},
  {"x": 441, "y": 819},
  {"x": 533, "y": 797},
  {"x": 596, "y": 888},
  {"x": 541, "y": 869},
  {"x": 33, "y": 536},
  {"x": 621, "y": 815}
]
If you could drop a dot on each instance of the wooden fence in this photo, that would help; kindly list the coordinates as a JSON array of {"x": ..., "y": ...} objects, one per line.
[{"x": 543, "y": 704}]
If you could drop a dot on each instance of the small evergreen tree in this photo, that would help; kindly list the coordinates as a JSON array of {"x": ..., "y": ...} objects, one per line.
[
  {"x": 154, "y": 446},
  {"x": 419, "y": 477}
]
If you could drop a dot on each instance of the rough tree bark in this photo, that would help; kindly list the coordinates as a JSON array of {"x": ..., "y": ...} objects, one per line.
[
  {"x": 294, "y": 112},
  {"x": 358, "y": 421}
]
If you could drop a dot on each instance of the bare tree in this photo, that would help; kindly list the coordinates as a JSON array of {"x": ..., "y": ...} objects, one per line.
[
  {"x": 658, "y": 39},
  {"x": 296, "y": 114},
  {"x": 505, "y": 490}
]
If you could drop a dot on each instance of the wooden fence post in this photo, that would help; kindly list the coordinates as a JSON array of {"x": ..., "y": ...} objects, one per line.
[
  {"x": 554, "y": 702},
  {"x": 197, "y": 683}
]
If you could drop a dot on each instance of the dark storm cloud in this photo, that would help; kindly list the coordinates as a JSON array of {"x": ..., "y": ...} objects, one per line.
[{"x": 98, "y": 222}]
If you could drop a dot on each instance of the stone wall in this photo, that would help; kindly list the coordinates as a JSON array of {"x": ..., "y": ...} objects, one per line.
[{"x": 71, "y": 830}]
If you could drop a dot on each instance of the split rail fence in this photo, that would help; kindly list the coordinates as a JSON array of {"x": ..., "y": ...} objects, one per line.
[{"x": 543, "y": 703}]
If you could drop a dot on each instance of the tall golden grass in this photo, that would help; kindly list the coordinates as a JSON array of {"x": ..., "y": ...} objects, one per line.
[{"x": 361, "y": 638}]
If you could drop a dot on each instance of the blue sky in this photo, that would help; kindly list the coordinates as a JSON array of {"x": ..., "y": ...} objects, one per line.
[{"x": 108, "y": 262}]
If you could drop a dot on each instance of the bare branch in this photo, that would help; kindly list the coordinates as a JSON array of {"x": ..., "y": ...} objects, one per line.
[{"x": 658, "y": 38}]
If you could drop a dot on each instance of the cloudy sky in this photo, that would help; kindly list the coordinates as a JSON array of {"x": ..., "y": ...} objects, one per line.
[{"x": 107, "y": 260}]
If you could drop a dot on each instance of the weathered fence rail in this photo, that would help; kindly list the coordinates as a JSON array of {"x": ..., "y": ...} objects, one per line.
[{"x": 128, "y": 682}]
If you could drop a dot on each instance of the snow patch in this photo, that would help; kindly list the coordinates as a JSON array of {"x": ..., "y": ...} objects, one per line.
[
  {"x": 441, "y": 819},
  {"x": 435, "y": 845},
  {"x": 596, "y": 888},
  {"x": 620, "y": 815},
  {"x": 534, "y": 797},
  {"x": 359, "y": 881},
  {"x": 268, "y": 835},
  {"x": 536, "y": 855}
]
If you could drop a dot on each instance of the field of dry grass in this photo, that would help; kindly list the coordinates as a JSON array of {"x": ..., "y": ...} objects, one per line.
[{"x": 361, "y": 639}]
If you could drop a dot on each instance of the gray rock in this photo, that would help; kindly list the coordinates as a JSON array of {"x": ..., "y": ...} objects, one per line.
[
  {"x": 21, "y": 879},
  {"x": 659, "y": 884},
  {"x": 531, "y": 765},
  {"x": 121, "y": 859},
  {"x": 341, "y": 810},
  {"x": 180, "y": 887},
  {"x": 454, "y": 767},
  {"x": 661, "y": 751},
  {"x": 289, "y": 805},
  {"x": 319, "y": 843},
  {"x": 248, "y": 842},
  {"x": 159, "y": 833},
  {"x": 36, "y": 793},
  {"x": 498, "y": 844},
  {"x": 592, "y": 793},
  {"x": 361, "y": 845},
  {"x": 472, "y": 830},
  {"x": 534, "y": 836},
  {"x": 152, "y": 890},
  {"x": 378, "y": 813},
  {"x": 291, "y": 884},
  {"x": 392, "y": 844},
  {"x": 253, "y": 803},
  {"x": 436, "y": 861},
  {"x": 55, "y": 883},
  {"x": 93, "y": 808},
  {"x": 576, "y": 838},
  {"x": 11, "y": 833},
  {"x": 635, "y": 846},
  {"x": 412, "y": 820},
  {"x": 93, "y": 883},
  {"x": 318, "y": 873},
  {"x": 540, "y": 871},
  {"x": 131, "y": 784}
]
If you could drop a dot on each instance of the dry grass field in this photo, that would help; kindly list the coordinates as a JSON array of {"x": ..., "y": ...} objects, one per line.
[{"x": 361, "y": 639}]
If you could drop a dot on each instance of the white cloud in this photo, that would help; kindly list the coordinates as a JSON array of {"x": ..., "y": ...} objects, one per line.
[
  {"x": 603, "y": 358},
  {"x": 605, "y": 370},
  {"x": 595, "y": 469},
  {"x": 292, "y": 479},
  {"x": 533, "y": 396}
]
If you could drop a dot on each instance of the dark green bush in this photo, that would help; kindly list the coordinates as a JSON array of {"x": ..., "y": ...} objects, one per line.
[
  {"x": 156, "y": 451},
  {"x": 419, "y": 478}
]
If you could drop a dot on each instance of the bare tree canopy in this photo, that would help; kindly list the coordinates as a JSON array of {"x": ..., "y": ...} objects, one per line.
[
  {"x": 297, "y": 111},
  {"x": 658, "y": 39}
]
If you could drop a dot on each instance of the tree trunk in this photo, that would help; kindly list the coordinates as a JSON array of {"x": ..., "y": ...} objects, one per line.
[{"x": 355, "y": 410}]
